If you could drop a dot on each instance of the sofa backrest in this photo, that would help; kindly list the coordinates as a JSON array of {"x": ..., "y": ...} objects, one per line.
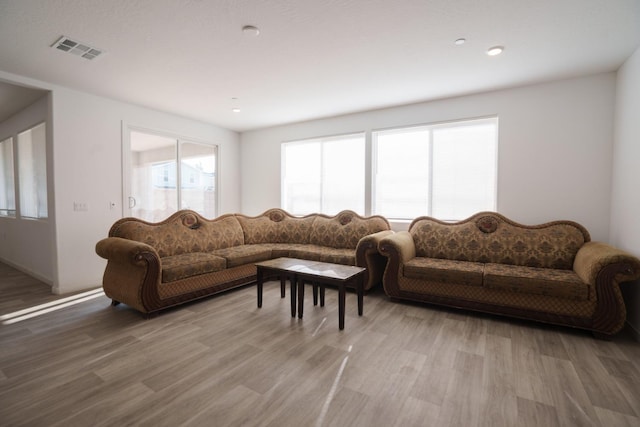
[
  {"x": 183, "y": 232},
  {"x": 345, "y": 229},
  {"x": 491, "y": 237},
  {"x": 275, "y": 226}
]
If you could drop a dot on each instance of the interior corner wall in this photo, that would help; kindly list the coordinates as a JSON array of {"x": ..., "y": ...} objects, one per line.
[
  {"x": 26, "y": 244},
  {"x": 555, "y": 148},
  {"x": 625, "y": 203},
  {"x": 88, "y": 169}
]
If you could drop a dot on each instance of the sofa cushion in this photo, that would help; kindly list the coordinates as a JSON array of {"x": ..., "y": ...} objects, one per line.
[
  {"x": 183, "y": 232},
  {"x": 178, "y": 267},
  {"x": 345, "y": 229},
  {"x": 281, "y": 249},
  {"x": 444, "y": 270},
  {"x": 324, "y": 254},
  {"x": 539, "y": 281},
  {"x": 489, "y": 237},
  {"x": 276, "y": 226},
  {"x": 245, "y": 254}
]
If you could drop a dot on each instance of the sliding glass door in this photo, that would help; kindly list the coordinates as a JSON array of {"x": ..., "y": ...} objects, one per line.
[{"x": 166, "y": 174}]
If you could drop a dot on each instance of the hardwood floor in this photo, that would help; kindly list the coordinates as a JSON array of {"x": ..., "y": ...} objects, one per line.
[{"x": 223, "y": 362}]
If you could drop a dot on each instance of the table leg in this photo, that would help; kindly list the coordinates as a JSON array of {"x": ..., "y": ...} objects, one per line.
[
  {"x": 300, "y": 297},
  {"x": 292, "y": 279},
  {"x": 283, "y": 279},
  {"x": 322, "y": 287},
  {"x": 315, "y": 293},
  {"x": 259, "y": 282},
  {"x": 341, "y": 304},
  {"x": 360, "y": 290}
]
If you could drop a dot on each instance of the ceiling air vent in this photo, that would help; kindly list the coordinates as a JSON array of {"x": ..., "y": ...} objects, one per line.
[{"x": 66, "y": 44}]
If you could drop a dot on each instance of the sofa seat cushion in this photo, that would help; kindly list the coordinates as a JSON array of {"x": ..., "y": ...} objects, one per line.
[
  {"x": 534, "y": 280},
  {"x": 281, "y": 249},
  {"x": 324, "y": 254},
  {"x": 178, "y": 267},
  {"x": 445, "y": 270},
  {"x": 244, "y": 254}
]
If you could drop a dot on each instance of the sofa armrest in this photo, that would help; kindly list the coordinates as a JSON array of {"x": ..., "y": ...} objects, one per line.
[
  {"x": 398, "y": 248},
  {"x": 125, "y": 251},
  {"x": 604, "y": 267},
  {"x": 367, "y": 255},
  {"x": 133, "y": 272},
  {"x": 370, "y": 241},
  {"x": 399, "y": 245},
  {"x": 594, "y": 257}
]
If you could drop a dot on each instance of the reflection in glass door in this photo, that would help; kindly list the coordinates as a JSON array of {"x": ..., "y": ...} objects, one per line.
[
  {"x": 198, "y": 178},
  {"x": 167, "y": 174}
]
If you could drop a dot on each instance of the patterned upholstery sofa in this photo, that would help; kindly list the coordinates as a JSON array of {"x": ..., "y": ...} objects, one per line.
[
  {"x": 550, "y": 272},
  {"x": 156, "y": 265}
]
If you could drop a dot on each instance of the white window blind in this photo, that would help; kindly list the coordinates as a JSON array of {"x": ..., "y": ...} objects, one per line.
[
  {"x": 402, "y": 178},
  {"x": 7, "y": 187},
  {"x": 448, "y": 171},
  {"x": 464, "y": 170},
  {"x": 32, "y": 164},
  {"x": 324, "y": 175}
]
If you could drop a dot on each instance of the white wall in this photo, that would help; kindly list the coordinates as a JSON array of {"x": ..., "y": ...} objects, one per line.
[
  {"x": 87, "y": 168},
  {"x": 24, "y": 243},
  {"x": 555, "y": 148},
  {"x": 625, "y": 201}
]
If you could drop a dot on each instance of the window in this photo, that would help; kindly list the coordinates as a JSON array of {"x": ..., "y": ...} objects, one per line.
[
  {"x": 324, "y": 175},
  {"x": 167, "y": 173},
  {"x": 7, "y": 191},
  {"x": 32, "y": 175},
  {"x": 448, "y": 171}
]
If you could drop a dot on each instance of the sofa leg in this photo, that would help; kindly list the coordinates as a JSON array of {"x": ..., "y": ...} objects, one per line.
[{"x": 114, "y": 303}]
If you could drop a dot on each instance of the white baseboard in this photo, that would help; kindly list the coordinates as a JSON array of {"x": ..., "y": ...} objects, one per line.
[{"x": 28, "y": 272}]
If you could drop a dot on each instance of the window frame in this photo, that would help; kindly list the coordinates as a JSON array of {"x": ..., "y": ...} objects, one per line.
[
  {"x": 10, "y": 184},
  {"x": 322, "y": 140},
  {"x": 431, "y": 127},
  {"x": 19, "y": 184},
  {"x": 180, "y": 140}
]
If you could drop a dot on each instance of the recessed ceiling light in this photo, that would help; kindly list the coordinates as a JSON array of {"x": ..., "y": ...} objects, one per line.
[
  {"x": 251, "y": 30},
  {"x": 496, "y": 50},
  {"x": 235, "y": 110},
  {"x": 460, "y": 41}
]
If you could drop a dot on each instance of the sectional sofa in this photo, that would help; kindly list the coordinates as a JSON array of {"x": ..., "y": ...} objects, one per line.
[{"x": 151, "y": 266}]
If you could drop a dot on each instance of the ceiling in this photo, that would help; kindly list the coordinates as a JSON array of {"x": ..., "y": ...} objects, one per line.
[{"x": 312, "y": 58}]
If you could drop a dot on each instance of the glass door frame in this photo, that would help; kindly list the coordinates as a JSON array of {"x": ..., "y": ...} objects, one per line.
[{"x": 126, "y": 163}]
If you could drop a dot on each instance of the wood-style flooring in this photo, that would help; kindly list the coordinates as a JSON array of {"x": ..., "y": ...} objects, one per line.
[{"x": 223, "y": 362}]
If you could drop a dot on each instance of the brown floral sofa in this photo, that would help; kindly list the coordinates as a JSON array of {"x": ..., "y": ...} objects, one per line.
[
  {"x": 550, "y": 272},
  {"x": 157, "y": 265}
]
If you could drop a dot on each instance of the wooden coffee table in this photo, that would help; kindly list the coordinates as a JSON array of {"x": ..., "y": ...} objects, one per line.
[{"x": 320, "y": 274}]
